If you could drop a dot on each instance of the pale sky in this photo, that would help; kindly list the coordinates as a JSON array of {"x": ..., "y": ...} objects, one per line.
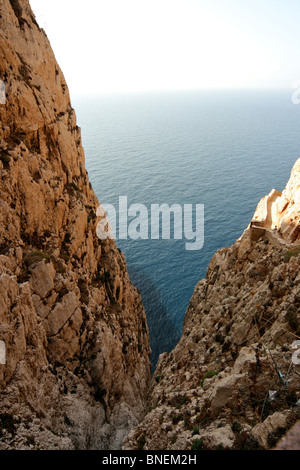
[{"x": 145, "y": 45}]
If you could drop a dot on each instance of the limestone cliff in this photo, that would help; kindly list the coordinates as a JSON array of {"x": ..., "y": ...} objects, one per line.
[
  {"x": 72, "y": 325},
  {"x": 233, "y": 381},
  {"x": 281, "y": 211}
]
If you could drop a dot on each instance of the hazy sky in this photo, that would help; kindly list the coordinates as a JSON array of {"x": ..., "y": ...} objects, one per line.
[{"x": 136, "y": 45}]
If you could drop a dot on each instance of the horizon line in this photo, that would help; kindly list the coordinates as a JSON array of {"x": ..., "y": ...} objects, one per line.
[{"x": 178, "y": 90}]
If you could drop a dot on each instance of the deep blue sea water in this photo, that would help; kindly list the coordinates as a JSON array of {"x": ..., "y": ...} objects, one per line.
[{"x": 223, "y": 149}]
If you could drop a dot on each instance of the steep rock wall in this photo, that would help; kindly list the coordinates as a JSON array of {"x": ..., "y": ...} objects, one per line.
[{"x": 72, "y": 324}]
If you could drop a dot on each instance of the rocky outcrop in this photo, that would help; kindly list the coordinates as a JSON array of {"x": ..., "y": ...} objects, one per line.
[
  {"x": 281, "y": 211},
  {"x": 72, "y": 326},
  {"x": 232, "y": 382}
]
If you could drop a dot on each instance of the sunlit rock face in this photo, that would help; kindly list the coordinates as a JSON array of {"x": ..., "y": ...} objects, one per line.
[
  {"x": 281, "y": 211},
  {"x": 73, "y": 327}
]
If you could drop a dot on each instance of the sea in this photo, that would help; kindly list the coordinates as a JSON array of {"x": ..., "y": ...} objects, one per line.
[{"x": 219, "y": 150}]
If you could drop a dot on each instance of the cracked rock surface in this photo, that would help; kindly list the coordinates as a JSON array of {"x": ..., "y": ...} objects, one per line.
[{"x": 77, "y": 347}]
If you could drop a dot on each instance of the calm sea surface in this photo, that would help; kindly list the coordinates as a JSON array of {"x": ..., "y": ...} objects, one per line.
[{"x": 225, "y": 150}]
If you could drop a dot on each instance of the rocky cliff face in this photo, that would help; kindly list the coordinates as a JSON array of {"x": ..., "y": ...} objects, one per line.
[
  {"x": 73, "y": 330},
  {"x": 233, "y": 382},
  {"x": 74, "y": 346}
]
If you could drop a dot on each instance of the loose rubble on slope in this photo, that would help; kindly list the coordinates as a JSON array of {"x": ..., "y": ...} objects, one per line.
[{"x": 74, "y": 328}]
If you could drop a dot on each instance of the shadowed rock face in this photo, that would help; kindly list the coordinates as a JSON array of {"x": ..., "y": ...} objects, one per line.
[
  {"x": 232, "y": 382},
  {"x": 74, "y": 327}
]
